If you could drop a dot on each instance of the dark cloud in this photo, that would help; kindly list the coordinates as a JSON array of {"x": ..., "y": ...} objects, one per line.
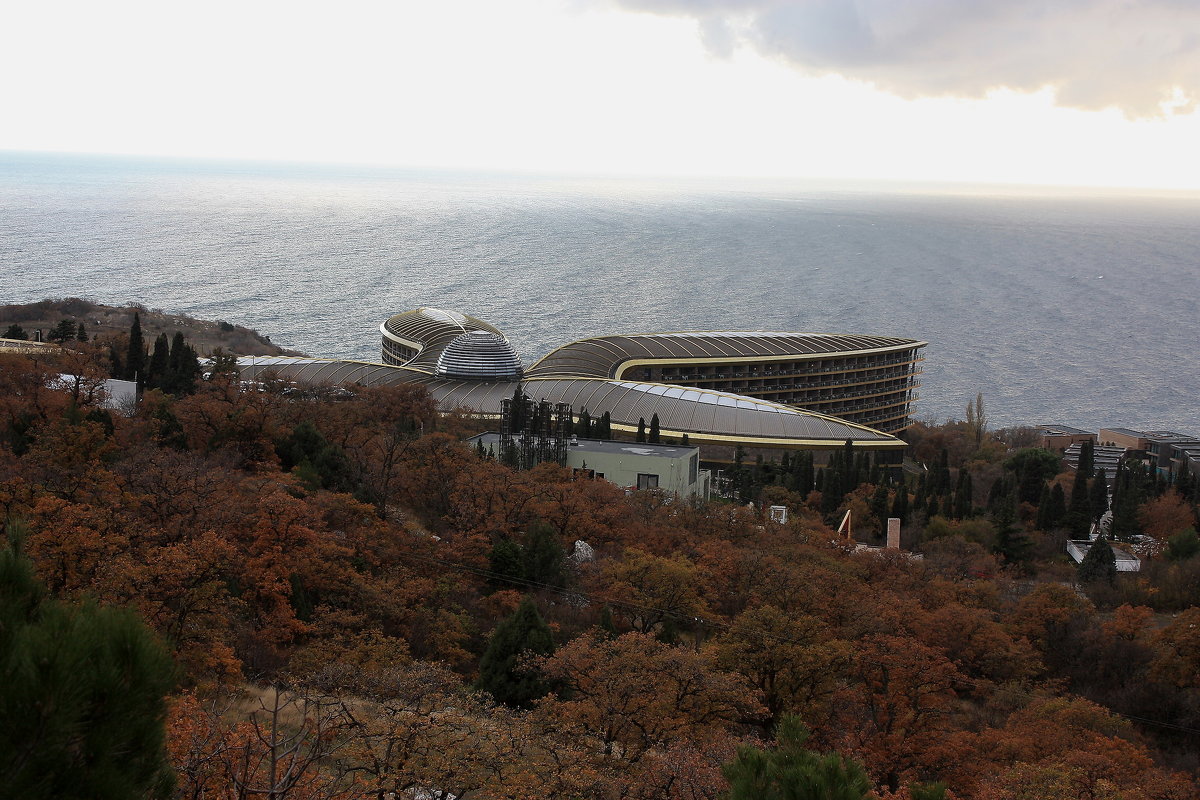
[{"x": 1132, "y": 54}]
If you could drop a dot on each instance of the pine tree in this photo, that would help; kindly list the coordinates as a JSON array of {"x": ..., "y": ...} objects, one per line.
[
  {"x": 15, "y": 331},
  {"x": 506, "y": 565},
  {"x": 81, "y": 333},
  {"x": 790, "y": 772},
  {"x": 82, "y": 696},
  {"x": 135, "y": 356},
  {"x": 1100, "y": 564},
  {"x": 501, "y": 671},
  {"x": 62, "y": 332},
  {"x": 542, "y": 556},
  {"x": 655, "y": 436}
]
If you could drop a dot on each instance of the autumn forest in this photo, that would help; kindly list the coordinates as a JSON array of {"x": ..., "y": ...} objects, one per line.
[{"x": 259, "y": 591}]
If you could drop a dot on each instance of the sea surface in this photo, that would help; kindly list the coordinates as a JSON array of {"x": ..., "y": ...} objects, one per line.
[{"x": 1078, "y": 308}]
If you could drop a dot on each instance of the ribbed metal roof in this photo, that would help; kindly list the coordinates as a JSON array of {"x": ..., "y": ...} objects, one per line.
[
  {"x": 479, "y": 356},
  {"x": 430, "y": 330},
  {"x": 602, "y": 356},
  {"x": 706, "y": 416}
]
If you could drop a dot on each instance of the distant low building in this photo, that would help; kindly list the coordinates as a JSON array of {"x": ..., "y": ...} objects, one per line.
[
  {"x": 1059, "y": 437},
  {"x": 631, "y": 465},
  {"x": 1165, "y": 452}
]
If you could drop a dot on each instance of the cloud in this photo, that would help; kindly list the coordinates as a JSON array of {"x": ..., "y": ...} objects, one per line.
[{"x": 1135, "y": 55}]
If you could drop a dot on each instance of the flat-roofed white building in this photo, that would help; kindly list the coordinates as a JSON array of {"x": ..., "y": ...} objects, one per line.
[{"x": 674, "y": 469}]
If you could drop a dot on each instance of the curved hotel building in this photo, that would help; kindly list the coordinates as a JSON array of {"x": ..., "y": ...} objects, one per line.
[{"x": 720, "y": 389}]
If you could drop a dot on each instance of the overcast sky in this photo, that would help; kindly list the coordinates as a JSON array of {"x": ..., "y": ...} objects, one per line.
[{"x": 1091, "y": 92}]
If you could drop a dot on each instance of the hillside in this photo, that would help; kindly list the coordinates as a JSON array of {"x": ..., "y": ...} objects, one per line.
[{"x": 204, "y": 335}]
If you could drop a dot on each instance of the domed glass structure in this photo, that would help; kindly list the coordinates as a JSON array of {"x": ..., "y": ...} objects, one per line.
[{"x": 479, "y": 356}]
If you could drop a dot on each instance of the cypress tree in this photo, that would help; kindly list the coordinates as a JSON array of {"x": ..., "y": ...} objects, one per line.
[
  {"x": 1128, "y": 494},
  {"x": 807, "y": 473},
  {"x": 135, "y": 356},
  {"x": 932, "y": 509},
  {"x": 900, "y": 503},
  {"x": 583, "y": 427},
  {"x": 641, "y": 432},
  {"x": 1098, "y": 496},
  {"x": 604, "y": 429},
  {"x": 1043, "y": 508},
  {"x": 849, "y": 476},
  {"x": 879, "y": 504},
  {"x": 184, "y": 367},
  {"x": 962, "y": 495},
  {"x": 1056, "y": 509},
  {"x": 1087, "y": 458},
  {"x": 501, "y": 673},
  {"x": 655, "y": 436},
  {"x": 160, "y": 359},
  {"x": 1078, "y": 518}
]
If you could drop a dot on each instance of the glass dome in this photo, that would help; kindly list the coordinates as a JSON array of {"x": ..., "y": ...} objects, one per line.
[{"x": 480, "y": 356}]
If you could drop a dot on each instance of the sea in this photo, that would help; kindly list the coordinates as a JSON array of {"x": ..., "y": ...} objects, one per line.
[{"x": 1076, "y": 307}]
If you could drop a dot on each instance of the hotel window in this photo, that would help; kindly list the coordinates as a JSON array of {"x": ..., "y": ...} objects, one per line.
[{"x": 647, "y": 481}]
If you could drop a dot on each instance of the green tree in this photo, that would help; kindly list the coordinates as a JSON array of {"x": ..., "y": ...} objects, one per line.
[
  {"x": 62, "y": 332},
  {"x": 900, "y": 502},
  {"x": 604, "y": 428},
  {"x": 1087, "y": 459},
  {"x": 15, "y": 331},
  {"x": 160, "y": 359},
  {"x": 135, "y": 355},
  {"x": 1183, "y": 545},
  {"x": 1078, "y": 519},
  {"x": 542, "y": 557},
  {"x": 1098, "y": 495},
  {"x": 81, "y": 333},
  {"x": 82, "y": 696},
  {"x": 183, "y": 367},
  {"x": 1011, "y": 541},
  {"x": 502, "y": 672},
  {"x": 790, "y": 772},
  {"x": 641, "y": 432},
  {"x": 655, "y": 436},
  {"x": 1100, "y": 564}
]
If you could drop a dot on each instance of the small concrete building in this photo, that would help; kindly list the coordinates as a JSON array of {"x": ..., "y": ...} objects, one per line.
[{"x": 632, "y": 465}]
